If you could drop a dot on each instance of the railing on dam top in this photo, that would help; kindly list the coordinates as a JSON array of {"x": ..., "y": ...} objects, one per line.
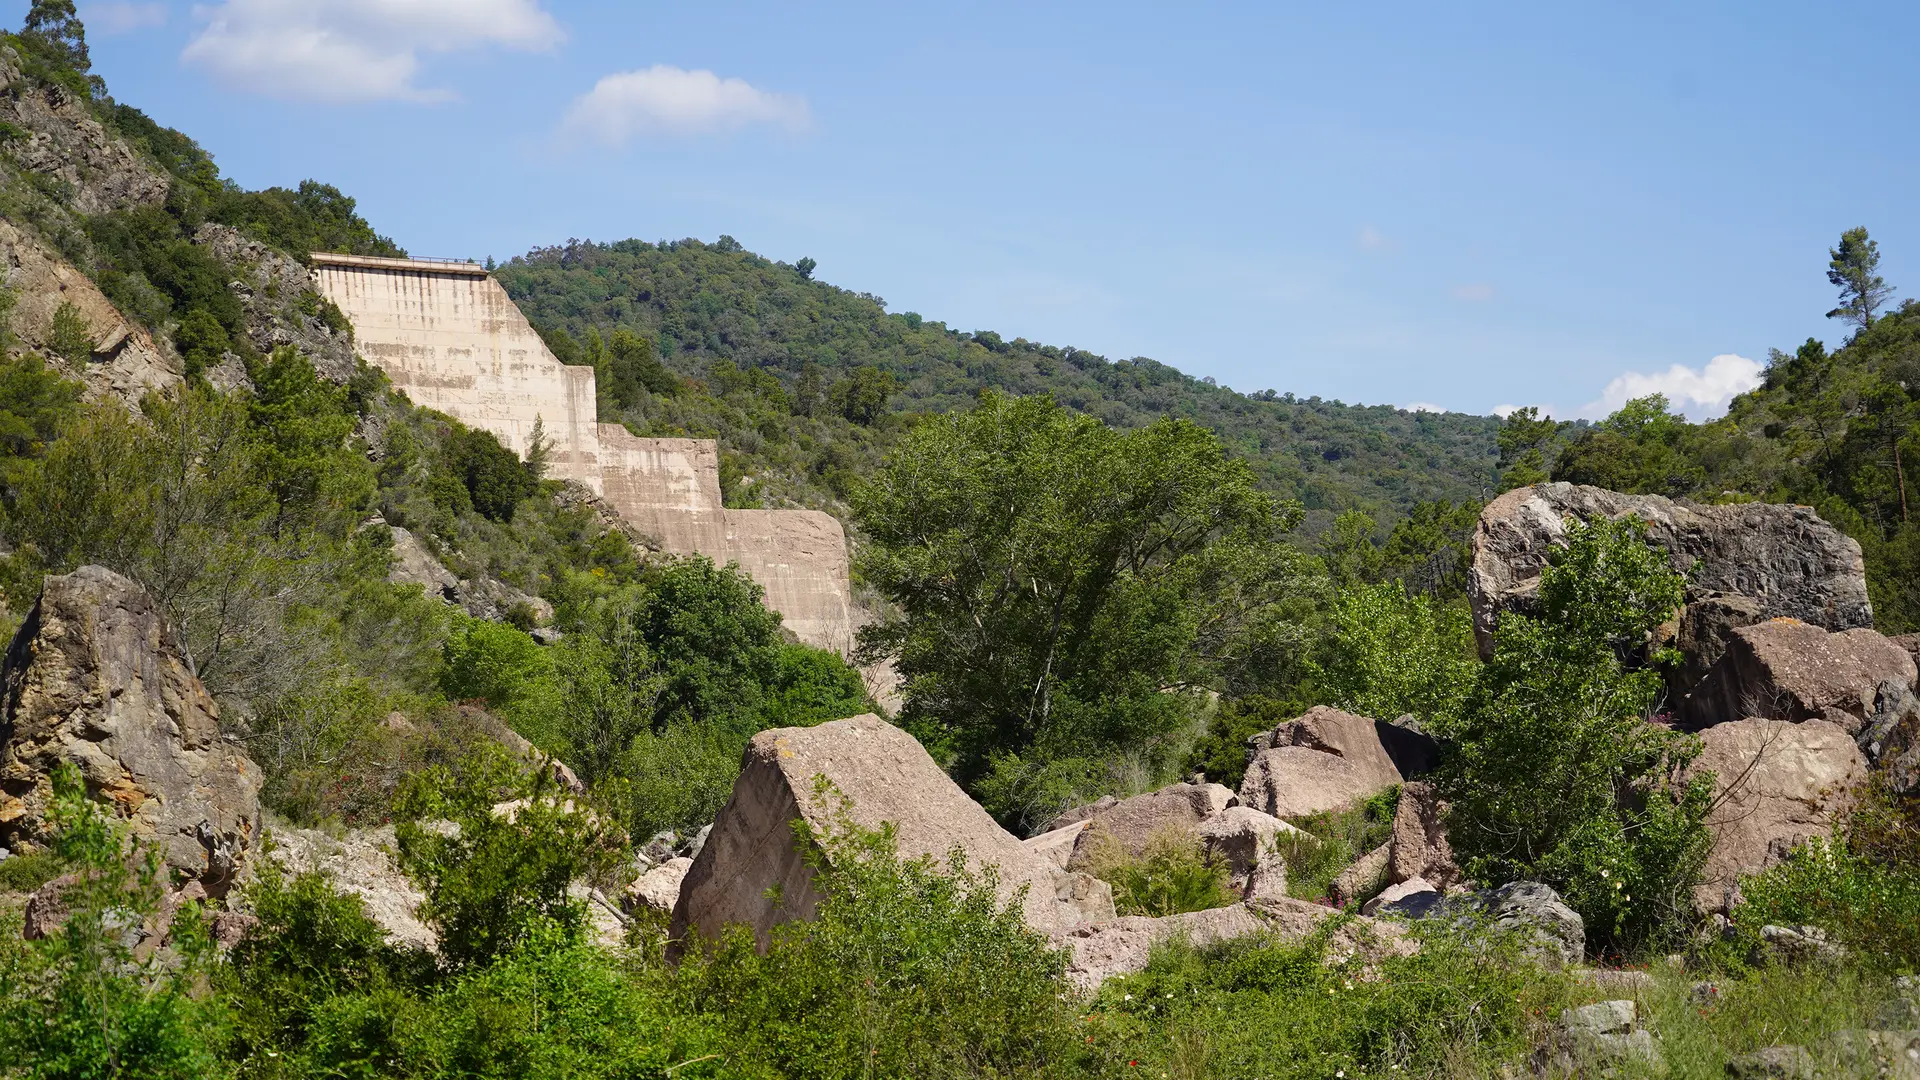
[{"x": 422, "y": 266}]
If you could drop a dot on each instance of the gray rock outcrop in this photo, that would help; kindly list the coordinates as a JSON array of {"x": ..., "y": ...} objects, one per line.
[
  {"x": 1784, "y": 669},
  {"x": 1330, "y": 760},
  {"x": 658, "y": 889},
  {"x": 360, "y": 863},
  {"x": 279, "y": 300},
  {"x": 1550, "y": 931},
  {"x": 65, "y": 143},
  {"x": 95, "y": 677},
  {"x": 752, "y": 871},
  {"x": 1785, "y": 559},
  {"x": 1777, "y": 784},
  {"x": 127, "y": 363}
]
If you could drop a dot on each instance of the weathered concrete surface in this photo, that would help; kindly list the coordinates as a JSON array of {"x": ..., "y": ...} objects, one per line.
[
  {"x": 1777, "y": 784},
  {"x": 450, "y": 339},
  {"x": 1786, "y": 558},
  {"x": 96, "y": 678},
  {"x": 754, "y": 873},
  {"x": 449, "y": 336}
]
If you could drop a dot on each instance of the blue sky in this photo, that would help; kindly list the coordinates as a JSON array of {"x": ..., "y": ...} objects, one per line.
[{"x": 1474, "y": 206}]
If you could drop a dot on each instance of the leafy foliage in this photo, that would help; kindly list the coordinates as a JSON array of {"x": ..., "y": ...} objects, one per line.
[
  {"x": 1560, "y": 772},
  {"x": 1169, "y": 876},
  {"x": 1061, "y": 586},
  {"x": 1328, "y": 842},
  {"x": 79, "y": 1003}
]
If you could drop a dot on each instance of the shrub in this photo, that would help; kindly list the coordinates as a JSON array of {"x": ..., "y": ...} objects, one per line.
[
  {"x": 1331, "y": 842},
  {"x": 1171, "y": 875},
  {"x": 78, "y": 1003},
  {"x": 910, "y": 968},
  {"x": 501, "y": 874},
  {"x": 497, "y": 664},
  {"x": 1222, "y": 752},
  {"x": 1863, "y": 886},
  {"x": 70, "y": 338},
  {"x": 1267, "y": 1008},
  {"x": 1559, "y": 771}
]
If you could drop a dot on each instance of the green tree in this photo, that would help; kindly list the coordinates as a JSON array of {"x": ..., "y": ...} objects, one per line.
[
  {"x": 1348, "y": 551},
  {"x": 70, "y": 338},
  {"x": 1055, "y": 579},
  {"x": 53, "y": 30},
  {"x": 1430, "y": 549},
  {"x": 1527, "y": 442},
  {"x": 202, "y": 341},
  {"x": 805, "y": 268},
  {"x": 303, "y": 456},
  {"x": 1561, "y": 770},
  {"x": 1854, "y": 268},
  {"x": 35, "y": 403},
  {"x": 500, "y": 878},
  {"x": 1392, "y": 653},
  {"x": 494, "y": 478},
  {"x": 862, "y": 396}
]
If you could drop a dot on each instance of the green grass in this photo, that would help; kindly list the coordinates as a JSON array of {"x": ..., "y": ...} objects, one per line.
[{"x": 25, "y": 873}]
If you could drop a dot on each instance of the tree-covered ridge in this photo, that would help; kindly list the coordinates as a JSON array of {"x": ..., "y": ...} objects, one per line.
[{"x": 721, "y": 315}]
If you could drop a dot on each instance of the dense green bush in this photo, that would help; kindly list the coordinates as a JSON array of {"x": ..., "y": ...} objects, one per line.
[
  {"x": 1559, "y": 770},
  {"x": 1863, "y": 886}
]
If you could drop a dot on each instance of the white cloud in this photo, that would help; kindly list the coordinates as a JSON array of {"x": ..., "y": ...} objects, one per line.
[
  {"x": 1700, "y": 394},
  {"x": 1503, "y": 411},
  {"x": 1478, "y": 292},
  {"x": 1423, "y": 406},
  {"x": 1372, "y": 239},
  {"x": 355, "y": 50},
  {"x": 121, "y": 17},
  {"x": 665, "y": 100}
]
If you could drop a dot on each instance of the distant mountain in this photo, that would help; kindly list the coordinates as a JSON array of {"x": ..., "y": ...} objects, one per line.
[{"x": 756, "y": 341}]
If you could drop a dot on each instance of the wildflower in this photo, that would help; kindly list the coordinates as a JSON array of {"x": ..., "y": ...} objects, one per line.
[
  {"x": 1603, "y": 873},
  {"x": 1129, "y": 997}
]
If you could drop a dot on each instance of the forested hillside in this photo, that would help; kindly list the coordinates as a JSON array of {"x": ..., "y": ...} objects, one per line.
[{"x": 808, "y": 384}]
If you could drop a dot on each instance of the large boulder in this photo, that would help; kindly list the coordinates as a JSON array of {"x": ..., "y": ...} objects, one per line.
[
  {"x": 1129, "y": 824},
  {"x": 753, "y": 871},
  {"x": 1785, "y": 669},
  {"x": 1784, "y": 559},
  {"x": 1777, "y": 784},
  {"x": 95, "y": 677},
  {"x": 1330, "y": 760},
  {"x": 1419, "y": 847},
  {"x": 1242, "y": 839}
]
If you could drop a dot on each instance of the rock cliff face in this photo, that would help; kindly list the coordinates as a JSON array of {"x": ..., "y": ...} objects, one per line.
[
  {"x": 281, "y": 305},
  {"x": 66, "y": 145},
  {"x": 1785, "y": 560},
  {"x": 96, "y": 677},
  {"x": 127, "y": 362}
]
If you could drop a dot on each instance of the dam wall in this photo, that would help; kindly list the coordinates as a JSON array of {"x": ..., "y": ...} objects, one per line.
[{"x": 450, "y": 338}]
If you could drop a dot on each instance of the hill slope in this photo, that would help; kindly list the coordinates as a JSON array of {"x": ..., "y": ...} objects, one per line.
[{"x": 720, "y": 314}]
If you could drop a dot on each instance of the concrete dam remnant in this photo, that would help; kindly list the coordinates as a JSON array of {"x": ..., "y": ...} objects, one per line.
[{"x": 450, "y": 338}]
